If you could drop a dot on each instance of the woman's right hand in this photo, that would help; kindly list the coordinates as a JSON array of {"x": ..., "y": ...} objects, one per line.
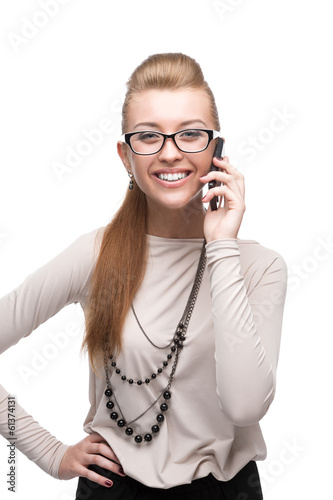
[{"x": 93, "y": 449}]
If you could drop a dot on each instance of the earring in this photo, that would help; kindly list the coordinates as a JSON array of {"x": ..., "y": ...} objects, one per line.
[{"x": 130, "y": 175}]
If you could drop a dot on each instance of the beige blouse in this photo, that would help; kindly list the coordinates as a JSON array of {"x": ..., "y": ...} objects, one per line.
[{"x": 225, "y": 378}]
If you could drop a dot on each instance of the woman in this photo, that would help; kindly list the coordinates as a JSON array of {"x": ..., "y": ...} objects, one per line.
[{"x": 182, "y": 352}]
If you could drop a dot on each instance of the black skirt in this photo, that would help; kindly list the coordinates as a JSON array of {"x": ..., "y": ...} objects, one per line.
[{"x": 244, "y": 486}]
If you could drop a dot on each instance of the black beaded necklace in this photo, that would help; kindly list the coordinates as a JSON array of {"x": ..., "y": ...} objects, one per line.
[{"x": 176, "y": 346}]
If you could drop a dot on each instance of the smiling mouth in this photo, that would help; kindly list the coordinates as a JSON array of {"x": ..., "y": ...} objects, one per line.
[{"x": 173, "y": 177}]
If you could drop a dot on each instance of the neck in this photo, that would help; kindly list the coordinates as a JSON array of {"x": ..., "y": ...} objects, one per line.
[{"x": 184, "y": 222}]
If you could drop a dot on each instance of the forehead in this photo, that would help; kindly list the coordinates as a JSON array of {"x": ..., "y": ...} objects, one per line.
[{"x": 168, "y": 109}]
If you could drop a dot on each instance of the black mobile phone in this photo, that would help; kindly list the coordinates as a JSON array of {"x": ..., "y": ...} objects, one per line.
[{"x": 218, "y": 153}]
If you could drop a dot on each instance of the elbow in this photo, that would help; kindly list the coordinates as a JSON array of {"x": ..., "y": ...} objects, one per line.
[
  {"x": 247, "y": 410},
  {"x": 246, "y": 417}
]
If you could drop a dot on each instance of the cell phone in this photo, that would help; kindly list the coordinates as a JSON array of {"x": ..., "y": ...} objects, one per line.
[{"x": 218, "y": 153}]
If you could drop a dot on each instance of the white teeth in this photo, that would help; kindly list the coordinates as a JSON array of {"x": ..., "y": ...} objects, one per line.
[{"x": 172, "y": 177}]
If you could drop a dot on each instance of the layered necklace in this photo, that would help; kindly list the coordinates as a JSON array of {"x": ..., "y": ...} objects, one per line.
[{"x": 175, "y": 347}]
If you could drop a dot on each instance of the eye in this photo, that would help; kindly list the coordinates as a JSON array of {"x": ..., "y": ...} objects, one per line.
[
  {"x": 148, "y": 136},
  {"x": 191, "y": 134}
]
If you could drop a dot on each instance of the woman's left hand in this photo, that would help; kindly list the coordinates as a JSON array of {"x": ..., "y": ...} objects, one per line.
[{"x": 225, "y": 221}]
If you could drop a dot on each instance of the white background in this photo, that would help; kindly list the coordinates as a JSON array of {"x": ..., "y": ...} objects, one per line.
[{"x": 261, "y": 58}]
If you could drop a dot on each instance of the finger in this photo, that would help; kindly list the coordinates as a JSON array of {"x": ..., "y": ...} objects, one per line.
[
  {"x": 225, "y": 191},
  {"x": 231, "y": 170},
  {"x": 97, "y": 478},
  {"x": 226, "y": 179},
  {"x": 217, "y": 191},
  {"x": 219, "y": 176},
  {"x": 95, "y": 438},
  {"x": 102, "y": 447},
  {"x": 102, "y": 454},
  {"x": 226, "y": 165},
  {"x": 106, "y": 463}
]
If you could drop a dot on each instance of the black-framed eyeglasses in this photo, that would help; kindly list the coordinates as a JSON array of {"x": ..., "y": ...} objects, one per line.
[{"x": 150, "y": 142}]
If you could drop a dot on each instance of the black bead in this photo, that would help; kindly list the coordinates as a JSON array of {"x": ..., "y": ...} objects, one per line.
[
  {"x": 148, "y": 437},
  {"x": 173, "y": 348},
  {"x": 160, "y": 417},
  {"x": 139, "y": 382},
  {"x": 123, "y": 377},
  {"x": 182, "y": 338},
  {"x": 153, "y": 375},
  {"x": 121, "y": 423},
  {"x": 130, "y": 381},
  {"x": 165, "y": 363},
  {"x": 167, "y": 395},
  {"x": 147, "y": 380},
  {"x": 114, "y": 415},
  {"x": 108, "y": 393},
  {"x": 155, "y": 429},
  {"x": 181, "y": 325},
  {"x": 110, "y": 405},
  {"x": 164, "y": 407},
  {"x": 169, "y": 356},
  {"x": 138, "y": 439},
  {"x": 159, "y": 370},
  {"x": 117, "y": 371},
  {"x": 129, "y": 431},
  {"x": 176, "y": 341},
  {"x": 180, "y": 346},
  {"x": 113, "y": 364}
]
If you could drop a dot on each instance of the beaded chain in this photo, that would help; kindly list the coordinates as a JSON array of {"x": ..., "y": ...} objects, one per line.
[{"x": 176, "y": 345}]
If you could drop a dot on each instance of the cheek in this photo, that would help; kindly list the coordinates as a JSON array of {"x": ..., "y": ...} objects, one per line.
[
  {"x": 205, "y": 163},
  {"x": 209, "y": 154},
  {"x": 140, "y": 170},
  {"x": 135, "y": 164}
]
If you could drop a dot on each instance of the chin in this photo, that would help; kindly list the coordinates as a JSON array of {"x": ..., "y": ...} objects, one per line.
[{"x": 192, "y": 203}]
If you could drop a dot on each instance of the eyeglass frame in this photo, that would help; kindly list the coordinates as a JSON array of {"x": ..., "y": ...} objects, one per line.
[{"x": 212, "y": 134}]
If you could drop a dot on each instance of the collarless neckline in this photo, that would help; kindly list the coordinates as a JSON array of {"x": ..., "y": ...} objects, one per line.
[
  {"x": 161, "y": 239},
  {"x": 152, "y": 238}
]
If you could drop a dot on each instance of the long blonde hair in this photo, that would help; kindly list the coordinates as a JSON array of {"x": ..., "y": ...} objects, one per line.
[{"x": 121, "y": 263}]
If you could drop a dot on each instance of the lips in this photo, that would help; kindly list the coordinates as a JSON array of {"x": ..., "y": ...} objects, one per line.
[{"x": 172, "y": 177}]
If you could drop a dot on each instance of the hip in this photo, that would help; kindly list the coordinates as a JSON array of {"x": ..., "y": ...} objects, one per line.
[{"x": 245, "y": 485}]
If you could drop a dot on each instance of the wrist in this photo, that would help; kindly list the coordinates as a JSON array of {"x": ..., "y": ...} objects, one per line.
[{"x": 222, "y": 236}]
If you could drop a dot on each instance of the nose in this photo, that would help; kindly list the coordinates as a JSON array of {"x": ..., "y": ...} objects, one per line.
[{"x": 170, "y": 152}]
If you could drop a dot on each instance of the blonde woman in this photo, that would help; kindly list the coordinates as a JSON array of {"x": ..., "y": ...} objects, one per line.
[{"x": 182, "y": 360}]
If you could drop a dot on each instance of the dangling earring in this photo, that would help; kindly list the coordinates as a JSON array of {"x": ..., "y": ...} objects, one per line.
[{"x": 130, "y": 175}]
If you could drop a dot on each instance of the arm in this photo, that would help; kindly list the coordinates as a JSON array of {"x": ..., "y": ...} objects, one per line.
[
  {"x": 247, "y": 320},
  {"x": 62, "y": 281},
  {"x": 32, "y": 440},
  {"x": 247, "y": 325}
]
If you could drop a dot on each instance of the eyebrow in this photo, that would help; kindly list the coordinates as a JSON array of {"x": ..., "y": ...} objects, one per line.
[{"x": 183, "y": 124}]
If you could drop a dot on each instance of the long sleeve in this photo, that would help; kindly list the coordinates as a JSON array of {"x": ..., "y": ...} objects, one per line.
[
  {"x": 62, "y": 281},
  {"x": 247, "y": 312}
]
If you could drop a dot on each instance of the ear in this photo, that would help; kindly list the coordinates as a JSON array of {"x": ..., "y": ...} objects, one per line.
[{"x": 123, "y": 153}]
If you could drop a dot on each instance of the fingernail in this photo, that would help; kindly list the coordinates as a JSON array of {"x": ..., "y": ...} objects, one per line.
[
  {"x": 121, "y": 470},
  {"x": 203, "y": 198},
  {"x": 108, "y": 483}
]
